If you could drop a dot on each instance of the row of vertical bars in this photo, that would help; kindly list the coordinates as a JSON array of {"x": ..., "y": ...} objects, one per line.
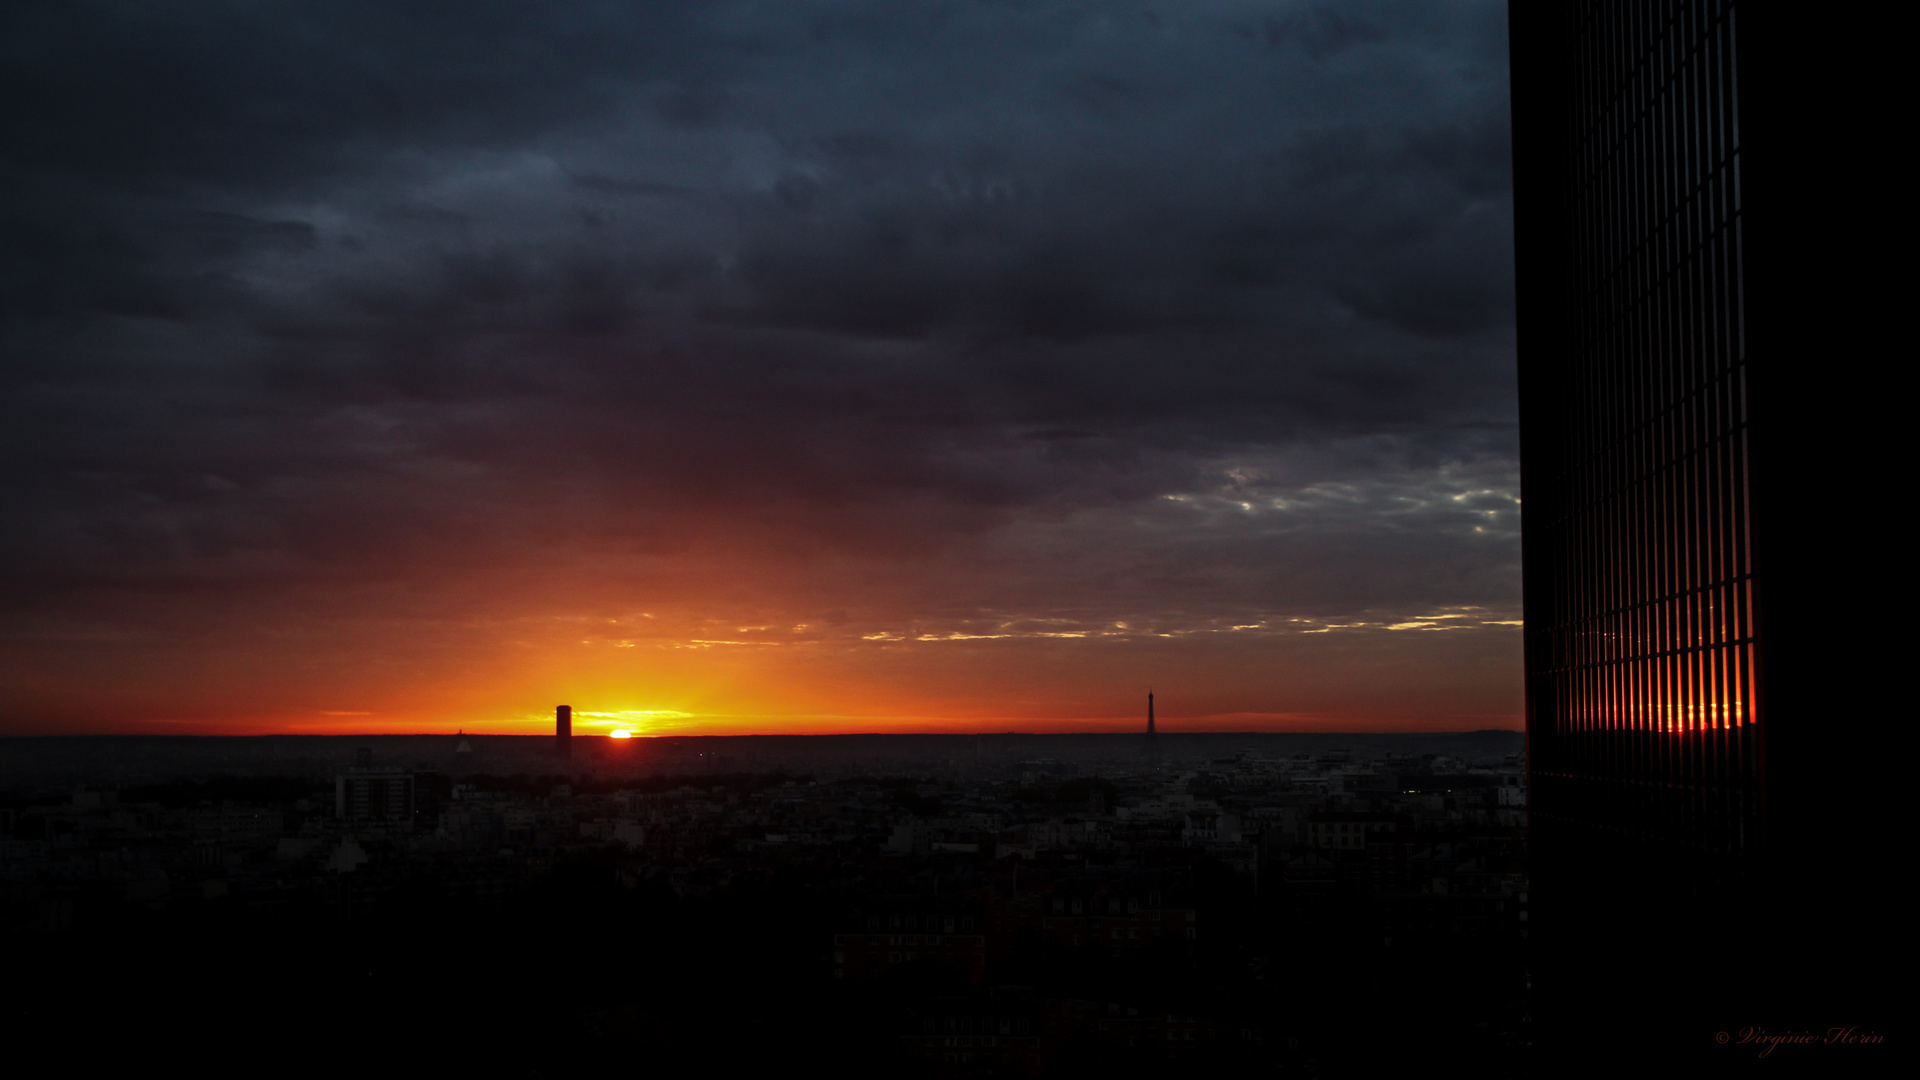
[{"x": 1643, "y": 687}]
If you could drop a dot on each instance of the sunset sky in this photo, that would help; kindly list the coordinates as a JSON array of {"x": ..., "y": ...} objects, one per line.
[{"x": 756, "y": 367}]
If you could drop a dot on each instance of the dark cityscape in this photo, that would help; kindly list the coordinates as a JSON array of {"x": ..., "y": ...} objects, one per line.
[
  {"x": 978, "y": 538},
  {"x": 1016, "y": 905}
]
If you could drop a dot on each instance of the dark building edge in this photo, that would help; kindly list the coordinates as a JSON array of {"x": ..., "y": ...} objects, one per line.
[{"x": 1638, "y": 953}]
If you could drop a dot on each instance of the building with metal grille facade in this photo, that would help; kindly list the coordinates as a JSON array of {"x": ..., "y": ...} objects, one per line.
[
  {"x": 1708, "y": 424},
  {"x": 1643, "y": 685}
]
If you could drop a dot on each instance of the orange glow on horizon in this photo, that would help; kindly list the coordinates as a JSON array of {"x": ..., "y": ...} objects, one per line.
[
  {"x": 664, "y": 674},
  {"x": 726, "y": 725}
]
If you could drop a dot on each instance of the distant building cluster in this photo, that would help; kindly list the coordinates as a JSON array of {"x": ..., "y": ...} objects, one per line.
[{"x": 952, "y": 892}]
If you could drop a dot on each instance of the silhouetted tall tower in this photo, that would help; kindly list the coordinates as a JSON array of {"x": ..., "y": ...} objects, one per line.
[
  {"x": 1692, "y": 221},
  {"x": 1149, "y": 712},
  {"x": 563, "y": 730}
]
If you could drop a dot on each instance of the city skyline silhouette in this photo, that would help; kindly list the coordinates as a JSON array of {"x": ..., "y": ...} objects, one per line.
[{"x": 555, "y": 538}]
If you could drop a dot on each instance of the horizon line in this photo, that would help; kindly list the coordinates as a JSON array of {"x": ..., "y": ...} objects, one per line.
[{"x": 637, "y": 737}]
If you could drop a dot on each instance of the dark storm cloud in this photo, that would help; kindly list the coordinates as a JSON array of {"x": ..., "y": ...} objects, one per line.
[{"x": 377, "y": 291}]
